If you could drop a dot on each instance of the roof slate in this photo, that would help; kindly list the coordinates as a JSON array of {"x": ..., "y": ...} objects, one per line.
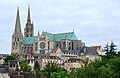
[
  {"x": 89, "y": 51},
  {"x": 86, "y": 50}
]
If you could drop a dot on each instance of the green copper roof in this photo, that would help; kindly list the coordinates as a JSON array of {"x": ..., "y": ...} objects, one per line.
[
  {"x": 30, "y": 40},
  {"x": 50, "y": 36},
  {"x": 54, "y": 37},
  {"x": 60, "y": 36}
]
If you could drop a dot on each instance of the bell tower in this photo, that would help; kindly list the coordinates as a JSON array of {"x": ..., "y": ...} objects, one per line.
[
  {"x": 17, "y": 37},
  {"x": 29, "y": 29}
]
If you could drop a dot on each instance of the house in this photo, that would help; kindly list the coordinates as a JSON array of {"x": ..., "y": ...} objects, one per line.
[
  {"x": 99, "y": 49},
  {"x": 88, "y": 52},
  {"x": 12, "y": 65},
  {"x": 1, "y": 61},
  {"x": 45, "y": 59},
  {"x": 72, "y": 63}
]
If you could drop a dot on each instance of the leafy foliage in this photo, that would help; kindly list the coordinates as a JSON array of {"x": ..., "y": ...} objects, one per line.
[
  {"x": 85, "y": 62},
  {"x": 106, "y": 48},
  {"x": 25, "y": 67},
  {"x": 51, "y": 70},
  {"x": 9, "y": 58},
  {"x": 107, "y": 67},
  {"x": 36, "y": 68},
  {"x": 61, "y": 74},
  {"x": 110, "y": 49}
]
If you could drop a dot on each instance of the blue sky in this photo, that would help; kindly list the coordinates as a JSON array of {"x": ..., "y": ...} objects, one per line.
[{"x": 95, "y": 22}]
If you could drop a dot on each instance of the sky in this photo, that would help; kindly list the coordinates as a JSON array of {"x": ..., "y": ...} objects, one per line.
[{"x": 95, "y": 22}]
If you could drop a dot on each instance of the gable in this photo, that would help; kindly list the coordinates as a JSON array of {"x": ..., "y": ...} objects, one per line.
[{"x": 59, "y": 51}]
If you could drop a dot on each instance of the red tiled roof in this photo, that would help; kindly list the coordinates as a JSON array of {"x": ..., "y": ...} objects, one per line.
[{"x": 95, "y": 47}]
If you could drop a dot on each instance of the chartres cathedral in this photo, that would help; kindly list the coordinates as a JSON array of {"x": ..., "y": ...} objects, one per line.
[{"x": 42, "y": 43}]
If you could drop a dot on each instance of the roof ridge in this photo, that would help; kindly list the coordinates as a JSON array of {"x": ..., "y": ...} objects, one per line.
[
  {"x": 31, "y": 37},
  {"x": 64, "y": 33},
  {"x": 59, "y": 33}
]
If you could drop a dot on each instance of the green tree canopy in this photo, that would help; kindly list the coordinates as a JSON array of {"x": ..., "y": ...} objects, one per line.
[
  {"x": 85, "y": 62},
  {"x": 25, "y": 67},
  {"x": 99, "y": 69},
  {"x": 113, "y": 48},
  {"x": 9, "y": 58},
  {"x": 51, "y": 69},
  {"x": 110, "y": 49},
  {"x": 61, "y": 74}
]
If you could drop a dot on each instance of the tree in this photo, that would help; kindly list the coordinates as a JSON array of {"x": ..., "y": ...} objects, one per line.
[
  {"x": 112, "y": 48},
  {"x": 105, "y": 72},
  {"x": 9, "y": 58},
  {"x": 106, "y": 48},
  {"x": 109, "y": 68},
  {"x": 86, "y": 72},
  {"x": 73, "y": 73},
  {"x": 50, "y": 67},
  {"x": 36, "y": 68},
  {"x": 60, "y": 74},
  {"x": 114, "y": 64},
  {"x": 85, "y": 62},
  {"x": 118, "y": 53},
  {"x": 97, "y": 64},
  {"x": 25, "y": 67}
]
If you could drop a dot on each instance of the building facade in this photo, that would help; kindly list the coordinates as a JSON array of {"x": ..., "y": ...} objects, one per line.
[
  {"x": 99, "y": 49},
  {"x": 72, "y": 63},
  {"x": 43, "y": 61},
  {"x": 42, "y": 43},
  {"x": 65, "y": 49}
]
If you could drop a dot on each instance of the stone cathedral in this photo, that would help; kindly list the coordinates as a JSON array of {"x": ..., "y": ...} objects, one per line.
[{"x": 42, "y": 43}]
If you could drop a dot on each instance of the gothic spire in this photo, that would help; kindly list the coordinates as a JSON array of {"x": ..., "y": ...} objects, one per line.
[
  {"x": 29, "y": 29},
  {"x": 28, "y": 18},
  {"x": 17, "y": 24},
  {"x": 38, "y": 33},
  {"x": 17, "y": 37}
]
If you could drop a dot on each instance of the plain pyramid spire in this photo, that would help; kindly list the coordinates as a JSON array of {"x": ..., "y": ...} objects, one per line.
[
  {"x": 17, "y": 37},
  {"x": 17, "y": 24},
  {"x": 38, "y": 33},
  {"x": 28, "y": 18}
]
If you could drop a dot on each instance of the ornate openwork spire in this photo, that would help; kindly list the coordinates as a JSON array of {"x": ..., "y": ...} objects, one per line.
[{"x": 28, "y": 18}]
